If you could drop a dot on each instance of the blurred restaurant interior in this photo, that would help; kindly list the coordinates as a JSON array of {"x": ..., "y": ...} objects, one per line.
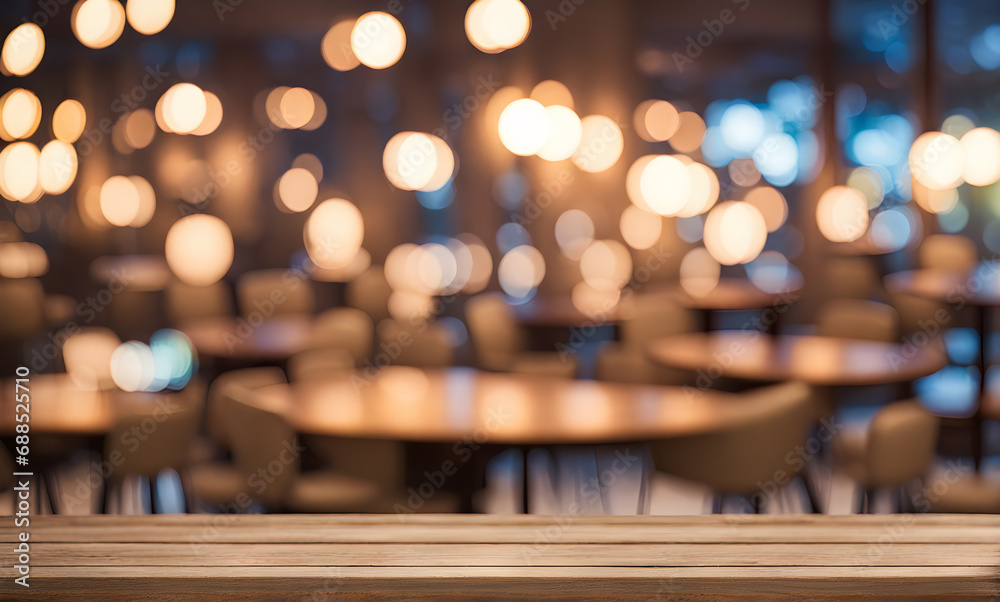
[{"x": 542, "y": 257}]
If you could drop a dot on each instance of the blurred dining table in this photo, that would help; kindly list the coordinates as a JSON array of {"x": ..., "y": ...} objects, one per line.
[
  {"x": 817, "y": 360},
  {"x": 978, "y": 288},
  {"x": 452, "y": 404},
  {"x": 469, "y": 410},
  {"x": 272, "y": 339},
  {"x": 735, "y": 294},
  {"x": 728, "y": 294},
  {"x": 59, "y": 407}
]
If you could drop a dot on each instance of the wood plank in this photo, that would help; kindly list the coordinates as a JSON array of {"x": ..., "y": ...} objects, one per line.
[
  {"x": 217, "y": 529},
  {"x": 246, "y": 583},
  {"x": 510, "y": 555}
]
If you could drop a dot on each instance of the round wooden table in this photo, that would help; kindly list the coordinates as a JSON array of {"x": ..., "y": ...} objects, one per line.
[
  {"x": 59, "y": 407},
  {"x": 978, "y": 288},
  {"x": 821, "y": 361},
  {"x": 469, "y": 410},
  {"x": 731, "y": 294},
  {"x": 454, "y": 404},
  {"x": 274, "y": 339}
]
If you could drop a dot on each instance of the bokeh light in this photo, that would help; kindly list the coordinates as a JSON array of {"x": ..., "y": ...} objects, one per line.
[
  {"x": 982, "y": 156},
  {"x": 297, "y": 189},
  {"x": 937, "y": 160},
  {"x": 333, "y": 233},
  {"x": 98, "y": 23},
  {"x": 842, "y": 214},
  {"x": 213, "y": 116},
  {"x": 574, "y": 233},
  {"x": 735, "y": 232},
  {"x": 699, "y": 272},
  {"x": 57, "y": 167},
  {"x": 20, "y": 114},
  {"x": 564, "y": 133},
  {"x": 199, "y": 249},
  {"x": 418, "y": 161},
  {"x": 22, "y": 260},
  {"x": 665, "y": 185},
  {"x": 690, "y": 132},
  {"x": 140, "y": 128},
  {"x": 606, "y": 265},
  {"x": 149, "y": 17},
  {"x": 22, "y": 50},
  {"x": 551, "y": 92},
  {"x": 69, "y": 121},
  {"x": 704, "y": 190},
  {"x": 378, "y": 40},
  {"x": 184, "y": 108},
  {"x": 771, "y": 204},
  {"x": 656, "y": 120},
  {"x": 601, "y": 144},
  {"x": 524, "y": 127},
  {"x": 120, "y": 201},
  {"x": 520, "y": 271},
  {"x": 497, "y": 25},
  {"x": 336, "y": 46},
  {"x": 640, "y": 229},
  {"x": 19, "y": 164}
]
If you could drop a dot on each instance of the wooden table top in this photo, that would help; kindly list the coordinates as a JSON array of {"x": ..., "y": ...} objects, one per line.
[
  {"x": 140, "y": 273},
  {"x": 980, "y": 287},
  {"x": 450, "y": 405},
  {"x": 268, "y": 557},
  {"x": 59, "y": 407},
  {"x": 824, "y": 361},
  {"x": 276, "y": 338},
  {"x": 731, "y": 294}
]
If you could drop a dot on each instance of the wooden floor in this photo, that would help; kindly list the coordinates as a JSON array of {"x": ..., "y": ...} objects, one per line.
[{"x": 517, "y": 557}]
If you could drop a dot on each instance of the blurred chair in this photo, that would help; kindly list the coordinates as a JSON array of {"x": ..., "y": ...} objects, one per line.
[
  {"x": 345, "y": 328},
  {"x": 161, "y": 446},
  {"x": 23, "y": 299},
  {"x": 213, "y": 479},
  {"x": 186, "y": 302},
  {"x": 380, "y": 462},
  {"x": 87, "y": 356},
  {"x": 738, "y": 459},
  {"x": 948, "y": 252},
  {"x": 264, "y": 441},
  {"x": 651, "y": 318},
  {"x": 501, "y": 344},
  {"x": 366, "y": 475},
  {"x": 370, "y": 292},
  {"x": 857, "y": 319},
  {"x": 852, "y": 278},
  {"x": 897, "y": 448},
  {"x": 274, "y": 293},
  {"x": 319, "y": 364},
  {"x": 424, "y": 345}
]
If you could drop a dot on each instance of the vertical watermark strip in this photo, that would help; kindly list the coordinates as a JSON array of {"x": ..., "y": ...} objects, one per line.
[{"x": 22, "y": 513}]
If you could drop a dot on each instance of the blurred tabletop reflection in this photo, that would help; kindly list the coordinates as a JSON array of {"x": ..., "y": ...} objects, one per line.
[{"x": 459, "y": 404}]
